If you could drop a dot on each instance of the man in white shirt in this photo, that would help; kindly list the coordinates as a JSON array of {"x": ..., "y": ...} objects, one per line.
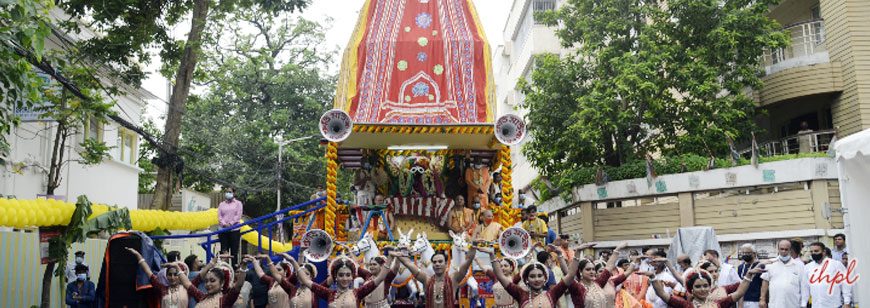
[
  {"x": 727, "y": 273},
  {"x": 668, "y": 280},
  {"x": 839, "y": 247},
  {"x": 816, "y": 273},
  {"x": 784, "y": 281}
]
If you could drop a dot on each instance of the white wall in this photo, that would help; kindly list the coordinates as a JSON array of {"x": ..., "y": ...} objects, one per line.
[
  {"x": 112, "y": 182},
  {"x": 513, "y": 62}
]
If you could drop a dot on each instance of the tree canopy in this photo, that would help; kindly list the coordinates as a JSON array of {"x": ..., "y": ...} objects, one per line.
[
  {"x": 264, "y": 78},
  {"x": 666, "y": 77}
]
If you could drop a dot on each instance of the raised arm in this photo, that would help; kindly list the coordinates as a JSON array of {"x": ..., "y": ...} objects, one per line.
[
  {"x": 744, "y": 285},
  {"x": 257, "y": 268},
  {"x": 563, "y": 265},
  {"x": 611, "y": 263},
  {"x": 463, "y": 268},
  {"x": 184, "y": 281},
  {"x": 237, "y": 285},
  {"x": 415, "y": 271},
  {"x": 673, "y": 269},
  {"x": 504, "y": 280},
  {"x": 394, "y": 266},
  {"x": 301, "y": 275},
  {"x": 573, "y": 268},
  {"x": 142, "y": 264}
]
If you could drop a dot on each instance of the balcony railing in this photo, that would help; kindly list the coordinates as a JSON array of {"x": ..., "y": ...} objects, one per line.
[
  {"x": 807, "y": 47},
  {"x": 811, "y": 142}
]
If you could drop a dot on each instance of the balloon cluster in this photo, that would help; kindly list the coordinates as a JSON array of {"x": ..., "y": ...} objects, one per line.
[
  {"x": 49, "y": 212},
  {"x": 147, "y": 220},
  {"x": 251, "y": 237},
  {"x": 21, "y": 213}
]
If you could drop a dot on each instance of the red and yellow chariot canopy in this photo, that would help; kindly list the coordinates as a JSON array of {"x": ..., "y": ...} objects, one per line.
[{"x": 420, "y": 62}]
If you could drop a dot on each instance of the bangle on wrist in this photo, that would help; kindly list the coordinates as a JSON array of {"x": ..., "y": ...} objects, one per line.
[
  {"x": 747, "y": 278},
  {"x": 141, "y": 260}
]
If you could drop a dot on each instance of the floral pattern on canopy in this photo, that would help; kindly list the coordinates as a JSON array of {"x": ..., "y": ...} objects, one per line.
[{"x": 422, "y": 62}]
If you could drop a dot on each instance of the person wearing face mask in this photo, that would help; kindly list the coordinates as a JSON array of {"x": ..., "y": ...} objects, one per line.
[
  {"x": 748, "y": 256},
  {"x": 477, "y": 180},
  {"x": 821, "y": 292},
  {"x": 230, "y": 213},
  {"x": 71, "y": 266},
  {"x": 536, "y": 227},
  {"x": 495, "y": 189},
  {"x": 476, "y": 209},
  {"x": 782, "y": 285},
  {"x": 487, "y": 229},
  {"x": 80, "y": 292}
]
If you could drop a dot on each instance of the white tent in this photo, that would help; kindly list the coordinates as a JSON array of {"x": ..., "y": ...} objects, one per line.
[{"x": 853, "y": 164}]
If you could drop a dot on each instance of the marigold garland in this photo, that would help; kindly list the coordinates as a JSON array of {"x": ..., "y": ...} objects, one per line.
[{"x": 331, "y": 180}]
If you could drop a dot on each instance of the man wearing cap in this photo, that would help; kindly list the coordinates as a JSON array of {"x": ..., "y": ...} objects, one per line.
[{"x": 71, "y": 266}]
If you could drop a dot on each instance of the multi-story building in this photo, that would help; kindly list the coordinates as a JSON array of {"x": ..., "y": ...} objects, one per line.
[
  {"x": 113, "y": 182},
  {"x": 524, "y": 38},
  {"x": 822, "y": 79}
]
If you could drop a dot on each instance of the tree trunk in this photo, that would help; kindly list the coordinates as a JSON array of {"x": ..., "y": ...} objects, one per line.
[
  {"x": 46, "y": 285},
  {"x": 54, "y": 168},
  {"x": 177, "y": 101}
]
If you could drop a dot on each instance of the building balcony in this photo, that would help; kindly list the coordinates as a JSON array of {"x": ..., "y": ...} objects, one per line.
[
  {"x": 810, "y": 142},
  {"x": 801, "y": 69},
  {"x": 807, "y": 48}
]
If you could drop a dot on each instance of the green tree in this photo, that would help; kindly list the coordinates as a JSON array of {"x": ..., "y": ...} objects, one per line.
[
  {"x": 129, "y": 28},
  {"x": 72, "y": 114},
  {"x": 264, "y": 79},
  {"x": 658, "y": 76},
  {"x": 22, "y": 31}
]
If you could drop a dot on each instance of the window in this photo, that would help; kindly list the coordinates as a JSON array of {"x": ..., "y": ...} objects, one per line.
[
  {"x": 126, "y": 146},
  {"x": 543, "y": 5},
  {"x": 93, "y": 129},
  {"x": 818, "y": 28}
]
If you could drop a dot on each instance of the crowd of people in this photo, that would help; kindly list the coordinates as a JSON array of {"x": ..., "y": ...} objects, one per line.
[{"x": 553, "y": 275}]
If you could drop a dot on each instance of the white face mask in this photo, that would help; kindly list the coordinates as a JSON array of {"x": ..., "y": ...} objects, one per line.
[
  {"x": 785, "y": 258},
  {"x": 229, "y": 195}
]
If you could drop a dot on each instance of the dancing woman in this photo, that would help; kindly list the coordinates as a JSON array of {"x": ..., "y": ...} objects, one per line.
[
  {"x": 343, "y": 271},
  {"x": 508, "y": 267},
  {"x": 378, "y": 297},
  {"x": 535, "y": 275},
  {"x": 589, "y": 290},
  {"x": 280, "y": 291},
  {"x": 171, "y": 295},
  {"x": 214, "y": 296},
  {"x": 699, "y": 284},
  {"x": 299, "y": 296}
]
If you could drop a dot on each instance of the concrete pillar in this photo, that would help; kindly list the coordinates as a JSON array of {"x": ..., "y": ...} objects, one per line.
[
  {"x": 687, "y": 209},
  {"x": 588, "y": 221}
]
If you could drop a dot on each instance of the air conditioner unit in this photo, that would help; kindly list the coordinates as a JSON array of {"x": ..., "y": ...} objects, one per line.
[{"x": 508, "y": 46}]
